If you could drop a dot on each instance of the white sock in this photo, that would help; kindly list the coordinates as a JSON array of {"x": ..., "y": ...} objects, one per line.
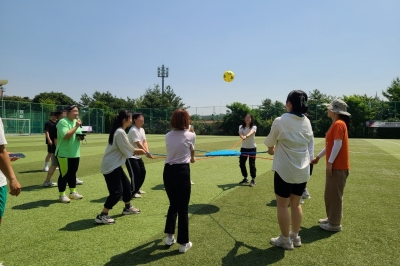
[
  {"x": 293, "y": 234},
  {"x": 46, "y": 164},
  {"x": 286, "y": 239}
]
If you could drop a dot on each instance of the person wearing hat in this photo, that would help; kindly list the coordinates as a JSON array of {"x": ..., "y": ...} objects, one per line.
[
  {"x": 337, "y": 164},
  {"x": 291, "y": 141}
]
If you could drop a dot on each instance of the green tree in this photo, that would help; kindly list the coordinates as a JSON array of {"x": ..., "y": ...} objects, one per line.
[
  {"x": 58, "y": 98},
  {"x": 154, "y": 98},
  {"x": 106, "y": 99},
  {"x": 233, "y": 117},
  {"x": 392, "y": 93}
]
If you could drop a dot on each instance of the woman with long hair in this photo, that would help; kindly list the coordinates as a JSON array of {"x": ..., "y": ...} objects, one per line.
[
  {"x": 117, "y": 151},
  {"x": 290, "y": 141},
  {"x": 337, "y": 164},
  {"x": 247, "y": 132},
  {"x": 180, "y": 152}
]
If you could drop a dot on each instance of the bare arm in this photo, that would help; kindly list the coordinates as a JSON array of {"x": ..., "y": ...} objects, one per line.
[
  {"x": 48, "y": 137},
  {"x": 6, "y": 168},
  {"x": 72, "y": 131}
]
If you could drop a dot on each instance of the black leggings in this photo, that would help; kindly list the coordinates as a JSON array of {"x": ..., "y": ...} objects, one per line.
[
  {"x": 252, "y": 162},
  {"x": 118, "y": 185},
  {"x": 68, "y": 168},
  {"x": 177, "y": 185},
  {"x": 137, "y": 173}
]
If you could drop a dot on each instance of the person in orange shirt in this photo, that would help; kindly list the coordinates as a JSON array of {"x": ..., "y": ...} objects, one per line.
[{"x": 337, "y": 164}]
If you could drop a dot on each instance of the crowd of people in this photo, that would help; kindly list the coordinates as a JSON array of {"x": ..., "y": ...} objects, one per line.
[{"x": 290, "y": 140}]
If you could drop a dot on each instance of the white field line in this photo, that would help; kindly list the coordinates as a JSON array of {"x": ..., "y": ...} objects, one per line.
[{"x": 375, "y": 153}]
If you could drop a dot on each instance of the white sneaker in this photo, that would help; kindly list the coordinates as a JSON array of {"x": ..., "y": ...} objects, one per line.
[
  {"x": 142, "y": 192},
  {"x": 75, "y": 195},
  {"x": 332, "y": 228},
  {"x": 191, "y": 182},
  {"x": 79, "y": 182},
  {"x": 323, "y": 221},
  {"x": 137, "y": 195},
  {"x": 131, "y": 210},
  {"x": 296, "y": 241},
  {"x": 49, "y": 184},
  {"x": 186, "y": 247},
  {"x": 64, "y": 199},
  {"x": 306, "y": 195},
  {"x": 169, "y": 241},
  {"x": 104, "y": 219},
  {"x": 45, "y": 169},
  {"x": 301, "y": 200},
  {"x": 280, "y": 242}
]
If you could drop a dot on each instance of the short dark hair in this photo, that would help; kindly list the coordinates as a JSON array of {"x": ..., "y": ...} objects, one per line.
[
  {"x": 298, "y": 99},
  {"x": 70, "y": 107},
  {"x": 180, "y": 119}
]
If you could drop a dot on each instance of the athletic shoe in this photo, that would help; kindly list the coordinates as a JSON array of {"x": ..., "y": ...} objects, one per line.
[
  {"x": 45, "y": 169},
  {"x": 49, "y": 184},
  {"x": 75, "y": 195},
  {"x": 79, "y": 182},
  {"x": 186, "y": 247},
  {"x": 191, "y": 182},
  {"x": 323, "y": 221},
  {"x": 142, "y": 192},
  {"x": 64, "y": 199},
  {"x": 244, "y": 181},
  {"x": 296, "y": 241},
  {"x": 131, "y": 210},
  {"x": 136, "y": 195},
  {"x": 301, "y": 200},
  {"x": 332, "y": 228},
  {"x": 306, "y": 195},
  {"x": 252, "y": 183},
  {"x": 104, "y": 219},
  {"x": 280, "y": 242},
  {"x": 169, "y": 241}
]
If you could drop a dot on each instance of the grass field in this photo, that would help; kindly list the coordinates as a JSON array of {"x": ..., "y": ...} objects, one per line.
[{"x": 229, "y": 224}]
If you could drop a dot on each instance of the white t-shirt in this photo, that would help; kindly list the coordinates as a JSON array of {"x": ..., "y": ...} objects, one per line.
[
  {"x": 136, "y": 134},
  {"x": 250, "y": 142},
  {"x": 3, "y": 141},
  {"x": 117, "y": 153},
  {"x": 179, "y": 143},
  {"x": 294, "y": 143}
]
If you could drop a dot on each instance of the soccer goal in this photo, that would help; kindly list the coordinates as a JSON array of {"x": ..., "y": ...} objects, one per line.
[{"x": 17, "y": 126}]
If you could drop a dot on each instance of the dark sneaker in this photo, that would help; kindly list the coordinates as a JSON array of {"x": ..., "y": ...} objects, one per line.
[
  {"x": 244, "y": 181},
  {"x": 252, "y": 183}
]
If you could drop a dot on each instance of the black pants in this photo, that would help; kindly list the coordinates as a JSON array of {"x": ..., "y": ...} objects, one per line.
[
  {"x": 177, "y": 185},
  {"x": 68, "y": 168},
  {"x": 252, "y": 162},
  {"x": 118, "y": 185},
  {"x": 137, "y": 173}
]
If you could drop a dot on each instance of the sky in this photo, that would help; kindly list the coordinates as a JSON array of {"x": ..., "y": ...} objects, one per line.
[{"x": 339, "y": 47}]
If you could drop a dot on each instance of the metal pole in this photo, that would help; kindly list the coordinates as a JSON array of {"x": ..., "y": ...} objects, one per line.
[{"x": 162, "y": 88}]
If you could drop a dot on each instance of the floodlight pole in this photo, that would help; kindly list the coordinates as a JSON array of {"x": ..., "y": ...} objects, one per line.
[
  {"x": 2, "y": 101},
  {"x": 162, "y": 73}
]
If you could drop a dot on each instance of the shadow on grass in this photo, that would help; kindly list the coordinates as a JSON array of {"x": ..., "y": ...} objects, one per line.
[
  {"x": 203, "y": 209},
  {"x": 34, "y": 204},
  {"x": 35, "y": 187},
  {"x": 314, "y": 233},
  {"x": 31, "y": 171},
  {"x": 272, "y": 203},
  {"x": 144, "y": 254},
  {"x": 256, "y": 256},
  {"x": 225, "y": 187},
  {"x": 158, "y": 187},
  {"x": 80, "y": 225}
]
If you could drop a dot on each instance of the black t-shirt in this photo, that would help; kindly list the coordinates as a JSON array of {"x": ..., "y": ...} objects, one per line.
[{"x": 49, "y": 126}]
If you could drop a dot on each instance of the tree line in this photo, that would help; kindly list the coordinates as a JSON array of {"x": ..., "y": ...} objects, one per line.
[{"x": 157, "y": 108}]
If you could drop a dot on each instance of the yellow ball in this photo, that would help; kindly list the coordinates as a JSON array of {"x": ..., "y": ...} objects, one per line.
[{"x": 229, "y": 76}]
